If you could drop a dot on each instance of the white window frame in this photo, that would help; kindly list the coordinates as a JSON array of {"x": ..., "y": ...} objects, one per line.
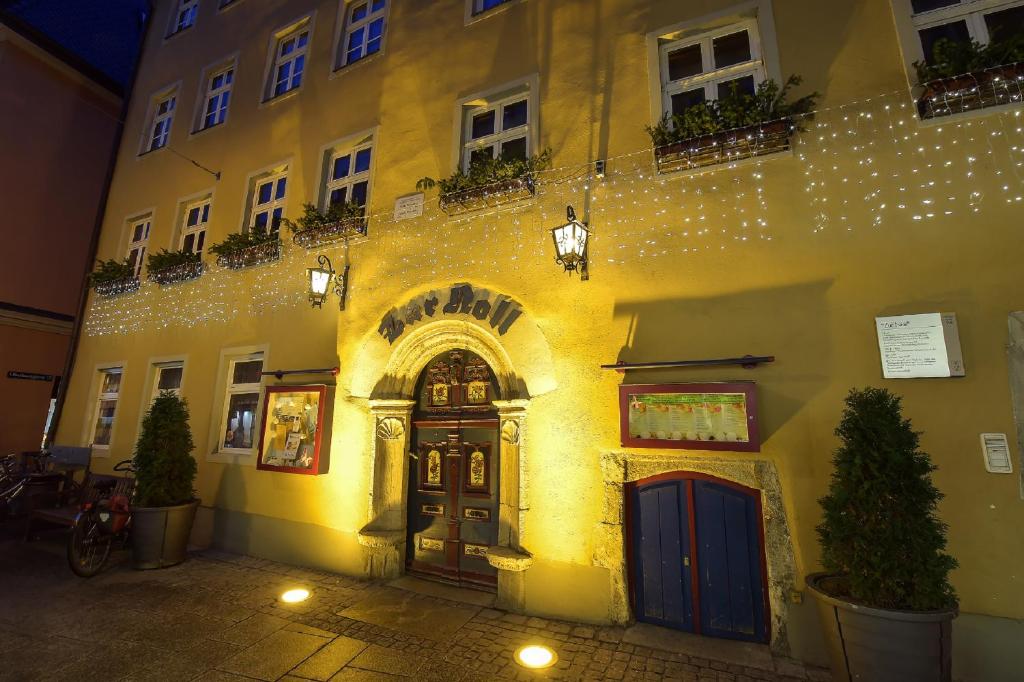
[
  {"x": 972, "y": 12},
  {"x": 184, "y": 10},
  {"x": 158, "y": 368},
  {"x": 102, "y": 397},
  {"x": 348, "y": 27},
  {"x": 221, "y": 94},
  {"x": 165, "y": 120},
  {"x": 236, "y": 389},
  {"x": 255, "y": 208},
  {"x": 142, "y": 245},
  {"x": 499, "y": 137},
  {"x": 199, "y": 229},
  {"x": 353, "y": 178},
  {"x": 276, "y": 61}
]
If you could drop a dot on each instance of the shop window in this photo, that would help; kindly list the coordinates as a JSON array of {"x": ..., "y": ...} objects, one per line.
[
  {"x": 239, "y": 425},
  {"x": 364, "y": 26},
  {"x": 288, "y": 62},
  {"x": 348, "y": 175},
  {"x": 710, "y": 65},
  {"x": 266, "y": 210},
  {"x": 106, "y": 406},
  {"x": 167, "y": 377},
  {"x": 158, "y": 132},
  {"x": 184, "y": 16},
  {"x": 138, "y": 242},
  {"x": 982, "y": 21},
  {"x": 195, "y": 218},
  {"x": 499, "y": 128},
  {"x": 217, "y": 97}
]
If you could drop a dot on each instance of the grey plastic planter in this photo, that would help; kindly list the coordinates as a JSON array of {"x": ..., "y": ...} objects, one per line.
[
  {"x": 879, "y": 645},
  {"x": 160, "y": 534}
]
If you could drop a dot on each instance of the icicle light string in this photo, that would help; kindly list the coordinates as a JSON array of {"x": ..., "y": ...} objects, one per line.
[{"x": 859, "y": 169}]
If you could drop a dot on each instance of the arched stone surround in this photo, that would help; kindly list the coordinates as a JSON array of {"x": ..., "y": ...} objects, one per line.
[{"x": 619, "y": 468}]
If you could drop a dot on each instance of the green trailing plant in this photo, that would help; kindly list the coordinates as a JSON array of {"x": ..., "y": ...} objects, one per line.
[
  {"x": 112, "y": 270},
  {"x": 770, "y": 102},
  {"x": 164, "y": 468},
  {"x": 487, "y": 171},
  {"x": 313, "y": 218},
  {"x": 238, "y": 241},
  {"x": 963, "y": 57},
  {"x": 881, "y": 535},
  {"x": 165, "y": 259}
]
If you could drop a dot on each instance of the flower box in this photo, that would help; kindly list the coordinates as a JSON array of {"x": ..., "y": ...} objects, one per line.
[
  {"x": 725, "y": 147},
  {"x": 979, "y": 90},
  {"x": 117, "y": 287},
  {"x": 257, "y": 254},
  {"x": 177, "y": 273},
  {"x": 489, "y": 196},
  {"x": 346, "y": 228}
]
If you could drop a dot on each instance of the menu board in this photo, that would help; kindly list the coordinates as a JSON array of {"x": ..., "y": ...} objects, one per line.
[
  {"x": 716, "y": 416},
  {"x": 292, "y": 426},
  {"x": 916, "y": 346}
]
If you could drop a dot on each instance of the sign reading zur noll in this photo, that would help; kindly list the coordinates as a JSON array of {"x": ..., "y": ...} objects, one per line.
[{"x": 498, "y": 310}]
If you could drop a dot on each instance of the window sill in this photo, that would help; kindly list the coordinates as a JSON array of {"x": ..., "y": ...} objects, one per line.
[
  {"x": 171, "y": 36},
  {"x": 494, "y": 11},
  {"x": 216, "y": 126},
  {"x": 352, "y": 66},
  {"x": 225, "y": 7},
  {"x": 150, "y": 152},
  {"x": 240, "y": 457},
  {"x": 294, "y": 92}
]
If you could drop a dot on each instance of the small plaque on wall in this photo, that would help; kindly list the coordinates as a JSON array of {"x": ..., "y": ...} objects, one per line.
[
  {"x": 920, "y": 346},
  {"x": 717, "y": 416}
]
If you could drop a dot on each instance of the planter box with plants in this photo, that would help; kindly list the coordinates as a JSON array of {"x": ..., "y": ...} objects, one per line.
[
  {"x": 165, "y": 504},
  {"x": 735, "y": 127},
  {"x": 885, "y": 602},
  {"x": 966, "y": 76},
  {"x": 172, "y": 267},
  {"x": 113, "y": 277},
  {"x": 339, "y": 222},
  {"x": 246, "y": 249},
  {"x": 488, "y": 183}
]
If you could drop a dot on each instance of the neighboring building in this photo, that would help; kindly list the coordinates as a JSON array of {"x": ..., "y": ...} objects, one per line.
[
  {"x": 471, "y": 432},
  {"x": 62, "y": 80}
]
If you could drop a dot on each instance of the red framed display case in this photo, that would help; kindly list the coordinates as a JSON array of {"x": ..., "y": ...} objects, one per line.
[
  {"x": 710, "y": 416},
  {"x": 292, "y": 429}
]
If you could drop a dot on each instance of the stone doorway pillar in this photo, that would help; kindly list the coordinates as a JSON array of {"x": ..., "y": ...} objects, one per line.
[{"x": 508, "y": 555}]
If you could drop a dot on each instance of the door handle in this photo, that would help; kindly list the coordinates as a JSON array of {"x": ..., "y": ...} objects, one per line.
[{"x": 686, "y": 561}]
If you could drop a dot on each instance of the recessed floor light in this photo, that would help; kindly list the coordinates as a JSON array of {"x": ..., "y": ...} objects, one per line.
[
  {"x": 536, "y": 656},
  {"x": 294, "y": 596}
]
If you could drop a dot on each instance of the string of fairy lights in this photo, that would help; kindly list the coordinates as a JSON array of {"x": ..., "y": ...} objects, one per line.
[{"x": 863, "y": 165}]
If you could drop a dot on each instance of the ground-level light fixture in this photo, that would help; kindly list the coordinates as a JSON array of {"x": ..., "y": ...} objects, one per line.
[
  {"x": 295, "y": 596},
  {"x": 571, "y": 244},
  {"x": 536, "y": 656},
  {"x": 320, "y": 279}
]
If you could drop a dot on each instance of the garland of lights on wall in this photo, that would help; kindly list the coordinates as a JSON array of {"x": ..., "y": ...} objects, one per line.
[{"x": 864, "y": 166}]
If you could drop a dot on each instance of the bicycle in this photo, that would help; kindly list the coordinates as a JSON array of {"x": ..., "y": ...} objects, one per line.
[
  {"x": 98, "y": 524},
  {"x": 14, "y": 478}
]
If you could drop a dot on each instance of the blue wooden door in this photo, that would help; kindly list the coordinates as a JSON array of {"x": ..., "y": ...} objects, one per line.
[
  {"x": 728, "y": 542},
  {"x": 662, "y": 570}
]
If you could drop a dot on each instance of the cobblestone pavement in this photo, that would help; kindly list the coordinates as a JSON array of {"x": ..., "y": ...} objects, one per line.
[{"x": 216, "y": 618}]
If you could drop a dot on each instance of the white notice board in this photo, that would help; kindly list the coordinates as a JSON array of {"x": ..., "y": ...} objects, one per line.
[{"x": 926, "y": 345}]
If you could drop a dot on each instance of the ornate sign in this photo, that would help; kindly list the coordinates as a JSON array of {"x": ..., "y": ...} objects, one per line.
[{"x": 498, "y": 310}]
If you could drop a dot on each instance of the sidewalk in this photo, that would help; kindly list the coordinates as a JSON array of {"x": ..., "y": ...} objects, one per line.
[{"x": 217, "y": 618}]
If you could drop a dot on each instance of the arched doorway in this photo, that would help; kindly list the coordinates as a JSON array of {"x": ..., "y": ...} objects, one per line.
[
  {"x": 452, "y": 508},
  {"x": 696, "y": 555}
]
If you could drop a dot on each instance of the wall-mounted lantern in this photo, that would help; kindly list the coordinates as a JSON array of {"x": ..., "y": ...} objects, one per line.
[
  {"x": 320, "y": 279},
  {"x": 571, "y": 244}
]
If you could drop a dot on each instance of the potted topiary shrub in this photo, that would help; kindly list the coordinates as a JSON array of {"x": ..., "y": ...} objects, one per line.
[
  {"x": 165, "y": 504},
  {"x": 885, "y": 600}
]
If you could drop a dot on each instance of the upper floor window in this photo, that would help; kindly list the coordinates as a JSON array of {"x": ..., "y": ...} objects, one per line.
[
  {"x": 138, "y": 242},
  {"x": 961, "y": 21},
  {"x": 289, "y": 60},
  {"x": 161, "y": 117},
  {"x": 499, "y": 128},
  {"x": 193, "y": 228},
  {"x": 710, "y": 65},
  {"x": 106, "y": 406},
  {"x": 268, "y": 202},
  {"x": 364, "y": 30},
  {"x": 348, "y": 180},
  {"x": 168, "y": 377},
  {"x": 184, "y": 15},
  {"x": 218, "y": 95},
  {"x": 481, "y": 6}
]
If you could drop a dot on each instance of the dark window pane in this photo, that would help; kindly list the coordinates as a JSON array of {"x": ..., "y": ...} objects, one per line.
[
  {"x": 685, "y": 100},
  {"x": 137, "y": 233},
  {"x": 193, "y": 217},
  {"x": 514, "y": 149},
  {"x": 275, "y": 219},
  {"x": 376, "y": 28},
  {"x": 481, "y": 155},
  {"x": 359, "y": 193},
  {"x": 265, "y": 192},
  {"x": 188, "y": 243},
  {"x": 341, "y": 166},
  {"x": 287, "y": 47},
  {"x": 303, "y": 39},
  {"x": 483, "y": 124},
  {"x": 359, "y": 12},
  {"x": 1005, "y": 24},
  {"x": 377, "y": 5},
  {"x": 260, "y": 224},
  {"x": 927, "y": 5},
  {"x": 956, "y": 31},
  {"x": 111, "y": 382},
  {"x": 281, "y": 185},
  {"x": 339, "y": 196},
  {"x": 684, "y": 62},
  {"x": 731, "y": 49},
  {"x": 247, "y": 372},
  {"x": 241, "y": 420},
  {"x": 743, "y": 86},
  {"x": 206, "y": 212},
  {"x": 199, "y": 245},
  {"x": 355, "y": 40},
  {"x": 514, "y": 115},
  {"x": 362, "y": 160},
  {"x": 170, "y": 378}
]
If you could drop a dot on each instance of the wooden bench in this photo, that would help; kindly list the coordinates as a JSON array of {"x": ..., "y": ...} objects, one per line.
[{"x": 65, "y": 515}]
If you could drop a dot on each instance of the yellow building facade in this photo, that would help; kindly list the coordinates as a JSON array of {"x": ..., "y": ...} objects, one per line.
[{"x": 869, "y": 212}]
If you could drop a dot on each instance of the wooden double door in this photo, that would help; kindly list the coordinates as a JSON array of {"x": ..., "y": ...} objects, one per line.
[
  {"x": 697, "y": 556},
  {"x": 453, "y": 500}
]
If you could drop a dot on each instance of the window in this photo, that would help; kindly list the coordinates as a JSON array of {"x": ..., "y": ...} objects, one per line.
[
  {"x": 218, "y": 94},
  {"x": 106, "y": 406},
  {"x": 364, "y": 30},
  {"x": 984, "y": 21},
  {"x": 268, "y": 200},
  {"x": 193, "y": 228},
  {"x": 138, "y": 240},
  {"x": 185, "y": 15},
  {"x": 168, "y": 378},
  {"x": 160, "y": 128},
  {"x": 497, "y": 129},
  {"x": 481, "y": 6},
  {"x": 348, "y": 175},
  {"x": 241, "y": 403},
  {"x": 708, "y": 66},
  {"x": 289, "y": 61}
]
